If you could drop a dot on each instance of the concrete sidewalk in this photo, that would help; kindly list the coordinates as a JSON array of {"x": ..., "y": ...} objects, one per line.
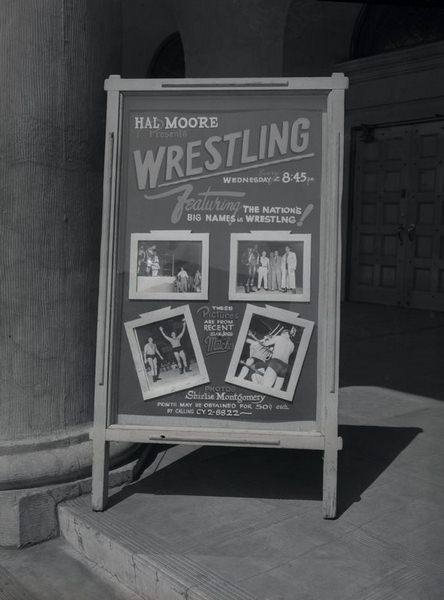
[
  {"x": 228, "y": 524},
  {"x": 55, "y": 571}
]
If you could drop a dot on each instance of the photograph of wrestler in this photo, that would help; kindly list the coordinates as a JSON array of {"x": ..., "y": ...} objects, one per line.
[
  {"x": 166, "y": 351},
  {"x": 270, "y": 351},
  {"x": 150, "y": 354},
  {"x": 270, "y": 266},
  {"x": 167, "y": 264}
]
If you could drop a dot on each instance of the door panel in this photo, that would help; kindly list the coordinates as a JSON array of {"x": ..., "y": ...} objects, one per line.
[
  {"x": 379, "y": 210},
  {"x": 424, "y": 266},
  {"x": 398, "y": 217}
]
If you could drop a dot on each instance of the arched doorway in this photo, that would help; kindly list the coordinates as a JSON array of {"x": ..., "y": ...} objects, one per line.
[
  {"x": 382, "y": 28},
  {"x": 396, "y": 234},
  {"x": 169, "y": 59}
]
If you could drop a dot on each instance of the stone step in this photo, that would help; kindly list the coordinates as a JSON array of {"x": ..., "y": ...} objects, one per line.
[
  {"x": 143, "y": 564},
  {"x": 127, "y": 544}
]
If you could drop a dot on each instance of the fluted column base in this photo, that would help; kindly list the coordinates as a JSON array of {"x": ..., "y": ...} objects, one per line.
[{"x": 37, "y": 474}]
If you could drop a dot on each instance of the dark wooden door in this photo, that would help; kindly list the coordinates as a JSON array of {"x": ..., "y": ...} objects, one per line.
[{"x": 397, "y": 253}]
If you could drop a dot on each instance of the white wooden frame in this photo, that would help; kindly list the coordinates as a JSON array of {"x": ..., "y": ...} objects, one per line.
[
  {"x": 164, "y": 236},
  {"x": 270, "y": 236},
  {"x": 150, "y": 391},
  {"x": 319, "y": 435},
  {"x": 286, "y": 316}
]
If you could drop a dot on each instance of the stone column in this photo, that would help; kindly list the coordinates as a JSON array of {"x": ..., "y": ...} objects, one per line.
[
  {"x": 232, "y": 38},
  {"x": 54, "y": 56}
]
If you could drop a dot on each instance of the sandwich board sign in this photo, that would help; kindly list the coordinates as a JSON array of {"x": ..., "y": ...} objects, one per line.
[{"x": 218, "y": 318}]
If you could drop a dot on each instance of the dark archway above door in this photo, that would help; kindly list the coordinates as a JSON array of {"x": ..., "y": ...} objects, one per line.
[
  {"x": 383, "y": 28},
  {"x": 169, "y": 59}
]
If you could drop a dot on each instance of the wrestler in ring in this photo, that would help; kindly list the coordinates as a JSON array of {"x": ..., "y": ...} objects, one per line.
[
  {"x": 179, "y": 353},
  {"x": 150, "y": 354},
  {"x": 258, "y": 358},
  {"x": 277, "y": 368}
]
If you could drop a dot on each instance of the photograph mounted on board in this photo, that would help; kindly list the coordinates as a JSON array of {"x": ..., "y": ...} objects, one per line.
[
  {"x": 270, "y": 351},
  {"x": 166, "y": 351},
  {"x": 270, "y": 266},
  {"x": 169, "y": 265}
]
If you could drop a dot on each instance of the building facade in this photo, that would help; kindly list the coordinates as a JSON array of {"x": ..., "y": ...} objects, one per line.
[{"x": 53, "y": 60}]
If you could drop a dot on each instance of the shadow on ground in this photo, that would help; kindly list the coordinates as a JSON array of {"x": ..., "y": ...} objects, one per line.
[
  {"x": 279, "y": 474},
  {"x": 367, "y": 453},
  {"x": 392, "y": 347}
]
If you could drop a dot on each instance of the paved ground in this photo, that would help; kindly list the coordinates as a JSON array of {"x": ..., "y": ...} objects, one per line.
[
  {"x": 246, "y": 523},
  {"x": 393, "y": 348},
  {"x": 55, "y": 571},
  {"x": 251, "y": 519}
]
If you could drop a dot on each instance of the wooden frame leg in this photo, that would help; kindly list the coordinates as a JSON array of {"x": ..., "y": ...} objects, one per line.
[
  {"x": 100, "y": 474},
  {"x": 330, "y": 479}
]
